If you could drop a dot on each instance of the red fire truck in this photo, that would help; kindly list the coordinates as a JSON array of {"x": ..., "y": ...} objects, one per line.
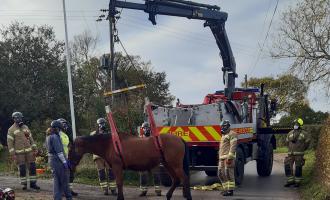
[{"x": 248, "y": 109}]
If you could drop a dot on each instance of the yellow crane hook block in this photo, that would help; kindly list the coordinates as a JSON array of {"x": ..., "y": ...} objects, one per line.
[
  {"x": 125, "y": 89},
  {"x": 215, "y": 186}
]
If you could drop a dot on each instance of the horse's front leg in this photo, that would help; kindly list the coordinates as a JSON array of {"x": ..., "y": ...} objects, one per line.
[{"x": 118, "y": 172}]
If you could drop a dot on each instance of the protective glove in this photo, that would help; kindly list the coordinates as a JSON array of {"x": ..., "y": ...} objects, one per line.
[
  {"x": 66, "y": 166},
  {"x": 69, "y": 164}
]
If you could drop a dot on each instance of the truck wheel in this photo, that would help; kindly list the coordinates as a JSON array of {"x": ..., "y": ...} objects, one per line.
[
  {"x": 239, "y": 166},
  {"x": 211, "y": 172},
  {"x": 265, "y": 166},
  {"x": 165, "y": 179}
]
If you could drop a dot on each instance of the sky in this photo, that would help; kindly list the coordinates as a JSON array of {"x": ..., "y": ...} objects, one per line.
[{"x": 183, "y": 48}]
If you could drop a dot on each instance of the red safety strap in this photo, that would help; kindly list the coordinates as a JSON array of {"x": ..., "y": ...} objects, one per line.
[
  {"x": 154, "y": 131},
  {"x": 114, "y": 135}
]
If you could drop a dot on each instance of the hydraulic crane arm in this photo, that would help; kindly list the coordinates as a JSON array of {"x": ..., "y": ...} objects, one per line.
[{"x": 214, "y": 18}]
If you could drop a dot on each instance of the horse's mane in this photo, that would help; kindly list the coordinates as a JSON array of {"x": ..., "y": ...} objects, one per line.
[{"x": 104, "y": 136}]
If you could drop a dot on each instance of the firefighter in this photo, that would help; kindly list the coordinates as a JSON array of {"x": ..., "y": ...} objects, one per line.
[
  {"x": 58, "y": 162},
  {"x": 67, "y": 140},
  {"x": 102, "y": 166},
  {"x": 144, "y": 176},
  {"x": 297, "y": 142},
  {"x": 227, "y": 153},
  {"x": 23, "y": 149}
]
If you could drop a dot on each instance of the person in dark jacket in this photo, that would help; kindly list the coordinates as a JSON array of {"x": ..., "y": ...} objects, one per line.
[
  {"x": 67, "y": 130},
  {"x": 58, "y": 162}
]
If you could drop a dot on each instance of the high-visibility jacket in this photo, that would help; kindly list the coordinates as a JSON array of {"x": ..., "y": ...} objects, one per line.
[
  {"x": 227, "y": 148},
  {"x": 297, "y": 142},
  {"x": 20, "y": 140},
  {"x": 93, "y": 133},
  {"x": 65, "y": 141}
]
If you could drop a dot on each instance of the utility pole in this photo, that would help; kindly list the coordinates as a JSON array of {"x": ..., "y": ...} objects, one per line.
[
  {"x": 112, "y": 70},
  {"x": 68, "y": 67}
]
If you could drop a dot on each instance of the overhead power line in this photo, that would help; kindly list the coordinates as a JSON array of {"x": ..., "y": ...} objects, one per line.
[{"x": 266, "y": 37}]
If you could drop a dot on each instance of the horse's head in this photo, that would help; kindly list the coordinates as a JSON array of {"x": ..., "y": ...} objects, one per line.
[{"x": 75, "y": 153}]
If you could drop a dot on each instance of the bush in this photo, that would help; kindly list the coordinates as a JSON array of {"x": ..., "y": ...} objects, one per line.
[{"x": 322, "y": 155}]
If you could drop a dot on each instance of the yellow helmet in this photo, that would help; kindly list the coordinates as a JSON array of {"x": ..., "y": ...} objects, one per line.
[{"x": 299, "y": 121}]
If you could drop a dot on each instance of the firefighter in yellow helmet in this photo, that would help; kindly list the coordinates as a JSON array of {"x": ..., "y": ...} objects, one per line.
[
  {"x": 106, "y": 182},
  {"x": 22, "y": 149},
  {"x": 297, "y": 142},
  {"x": 227, "y": 154}
]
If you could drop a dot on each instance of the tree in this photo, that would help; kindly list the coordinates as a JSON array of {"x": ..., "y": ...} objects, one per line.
[
  {"x": 90, "y": 82},
  {"x": 32, "y": 74},
  {"x": 308, "y": 115},
  {"x": 304, "y": 36},
  {"x": 83, "y": 47},
  {"x": 288, "y": 90}
]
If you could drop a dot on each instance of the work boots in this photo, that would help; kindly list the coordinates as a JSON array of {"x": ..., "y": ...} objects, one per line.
[
  {"x": 158, "y": 192},
  {"x": 297, "y": 185},
  {"x": 228, "y": 193},
  {"x": 105, "y": 191},
  {"x": 113, "y": 192},
  {"x": 74, "y": 194},
  {"x": 288, "y": 184},
  {"x": 143, "y": 193},
  {"x": 24, "y": 187},
  {"x": 34, "y": 186}
]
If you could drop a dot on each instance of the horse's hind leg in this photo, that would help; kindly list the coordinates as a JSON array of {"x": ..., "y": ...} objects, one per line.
[
  {"x": 186, "y": 187},
  {"x": 186, "y": 183},
  {"x": 118, "y": 172},
  {"x": 175, "y": 182}
]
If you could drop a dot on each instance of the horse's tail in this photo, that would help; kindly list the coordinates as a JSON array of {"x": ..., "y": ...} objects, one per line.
[{"x": 186, "y": 162}]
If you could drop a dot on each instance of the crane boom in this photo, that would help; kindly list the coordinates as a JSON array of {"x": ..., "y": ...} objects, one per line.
[{"x": 214, "y": 18}]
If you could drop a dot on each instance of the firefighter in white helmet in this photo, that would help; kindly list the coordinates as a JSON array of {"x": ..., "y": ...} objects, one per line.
[
  {"x": 22, "y": 149},
  {"x": 106, "y": 176},
  {"x": 227, "y": 154},
  {"x": 144, "y": 176},
  {"x": 297, "y": 142}
]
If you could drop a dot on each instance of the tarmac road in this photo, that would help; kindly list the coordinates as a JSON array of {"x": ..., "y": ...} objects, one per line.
[{"x": 253, "y": 188}]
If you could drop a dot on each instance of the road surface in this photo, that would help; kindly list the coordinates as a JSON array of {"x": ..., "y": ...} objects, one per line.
[{"x": 253, "y": 188}]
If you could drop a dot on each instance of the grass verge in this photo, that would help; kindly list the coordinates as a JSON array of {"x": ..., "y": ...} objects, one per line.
[
  {"x": 311, "y": 189},
  {"x": 281, "y": 150}
]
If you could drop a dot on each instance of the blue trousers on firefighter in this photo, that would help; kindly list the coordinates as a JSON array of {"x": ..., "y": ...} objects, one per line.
[{"x": 61, "y": 179}]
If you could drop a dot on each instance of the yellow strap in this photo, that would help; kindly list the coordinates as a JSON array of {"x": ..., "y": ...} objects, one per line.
[{"x": 124, "y": 89}]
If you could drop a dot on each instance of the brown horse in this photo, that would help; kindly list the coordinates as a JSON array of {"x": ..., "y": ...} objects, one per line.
[{"x": 139, "y": 154}]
